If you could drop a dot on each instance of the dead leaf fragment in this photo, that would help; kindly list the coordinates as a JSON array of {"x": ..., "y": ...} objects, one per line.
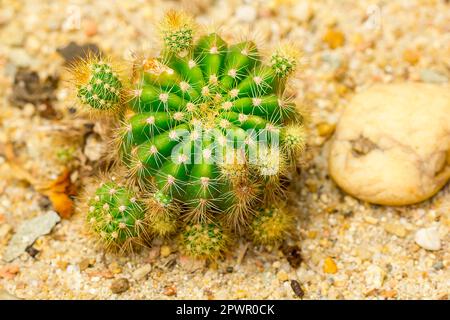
[{"x": 59, "y": 192}]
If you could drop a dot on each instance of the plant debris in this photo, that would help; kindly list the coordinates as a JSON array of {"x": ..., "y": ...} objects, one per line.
[
  {"x": 28, "y": 88},
  {"x": 73, "y": 51},
  {"x": 293, "y": 255}
]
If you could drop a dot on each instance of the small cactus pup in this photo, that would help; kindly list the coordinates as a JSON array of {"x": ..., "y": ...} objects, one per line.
[
  {"x": 271, "y": 225},
  {"x": 210, "y": 137},
  {"x": 203, "y": 239},
  {"x": 117, "y": 217},
  {"x": 98, "y": 84}
]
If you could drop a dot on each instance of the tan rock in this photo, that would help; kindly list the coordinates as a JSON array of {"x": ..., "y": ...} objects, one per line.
[{"x": 392, "y": 144}]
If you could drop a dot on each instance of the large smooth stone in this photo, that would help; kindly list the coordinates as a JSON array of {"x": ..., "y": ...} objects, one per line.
[{"x": 392, "y": 143}]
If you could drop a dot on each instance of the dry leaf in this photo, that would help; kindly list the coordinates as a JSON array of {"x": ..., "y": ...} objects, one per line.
[{"x": 58, "y": 191}]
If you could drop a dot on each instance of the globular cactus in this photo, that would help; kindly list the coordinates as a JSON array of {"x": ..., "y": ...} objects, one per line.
[
  {"x": 271, "y": 225},
  {"x": 117, "y": 216},
  {"x": 209, "y": 135},
  {"x": 203, "y": 239}
]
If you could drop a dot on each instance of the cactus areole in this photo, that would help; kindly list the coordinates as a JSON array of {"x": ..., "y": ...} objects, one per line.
[{"x": 208, "y": 134}]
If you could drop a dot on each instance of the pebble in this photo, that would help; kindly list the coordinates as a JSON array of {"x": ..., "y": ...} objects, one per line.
[
  {"x": 432, "y": 76},
  {"x": 86, "y": 263},
  {"x": 439, "y": 265},
  {"x": 374, "y": 277},
  {"x": 190, "y": 264},
  {"x": 170, "y": 290},
  {"x": 93, "y": 148},
  {"x": 5, "y": 231},
  {"x": 165, "y": 251},
  {"x": 5, "y": 295},
  {"x": 90, "y": 28},
  {"x": 282, "y": 275},
  {"x": 20, "y": 58},
  {"x": 120, "y": 285},
  {"x": 325, "y": 129},
  {"x": 370, "y": 219},
  {"x": 9, "y": 272},
  {"x": 334, "y": 38},
  {"x": 396, "y": 229},
  {"x": 142, "y": 272},
  {"x": 329, "y": 266},
  {"x": 379, "y": 155},
  {"x": 411, "y": 56},
  {"x": 28, "y": 232},
  {"x": 428, "y": 238},
  {"x": 246, "y": 13},
  {"x": 115, "y": 268}
]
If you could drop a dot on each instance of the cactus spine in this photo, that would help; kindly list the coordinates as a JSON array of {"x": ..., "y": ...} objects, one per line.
[{"x": 208, "y": 137}]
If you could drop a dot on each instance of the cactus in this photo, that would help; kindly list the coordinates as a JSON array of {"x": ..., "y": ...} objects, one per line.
[
  {"x": 203, "y": 239},
  {"x": 209, "y": 135},
  {"x": 271, "y": 225},
  {"x": 117, "y": 216},
  {"x": 98, "y": 84}
]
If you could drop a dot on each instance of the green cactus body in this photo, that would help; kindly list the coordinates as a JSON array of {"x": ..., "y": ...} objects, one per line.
[
  {"x": 271, "y": 225},
  {"x": 103, "y": 88},
  {"x": 203, "y": 240},
  {"x": 116, "y": 214},
  {"x": 201, "y": 115}
]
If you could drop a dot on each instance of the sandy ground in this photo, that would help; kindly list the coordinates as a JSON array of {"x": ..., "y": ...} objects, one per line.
[{"x": 350, "y": 249}]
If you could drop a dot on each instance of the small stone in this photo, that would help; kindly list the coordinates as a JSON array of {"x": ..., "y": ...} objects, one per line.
[
  {"x": 241, "y": 294},
  {"x": 246, "y": 13},
  {"x": 388, "y": 294},
  {"x": 170, "y": 290},
  {"x": 165, "y": 251},
  {"x": 90, "y": 28},
  {"x": 190, "y": 264},
  {"x": 334, "y": 38},
  {"x": 142, "y": 272},
  {"x": 439, "y": 265},
  {"x": 329, "y": 266},
  {"x": 302, "y": 11},
  {"x": 396, "y": 229},
  {"x": 325, "y": 129},
  {"x": 120, "y": 285},
  {"x": 20, "y": 58},
  {"x": 370, "y": 219},
  {"x": 5, "y": 231},
  {"x": 115, "y": 268},
  {"x": 428, "y": 238},
  {"x": 93, "y": 148},
  {"x": 62, "y": 264},
  {"x": 85, "y": 263},
  {"x": 374, "y": 276},
  {"x": 432, "y": 76},
  {"x": 9, "y": 272},
  {"x": 230, "y": 269},
  {"x": 411, "y": 56},
  {"x": 28, "y": 232},
  {"x": 32, "y": 251},
  {"x": 153, "y": 254},
  {"x": 282, "y": 275},
  {"x": 5, "y": 295},
  {"x": 377, "y": 154}
]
